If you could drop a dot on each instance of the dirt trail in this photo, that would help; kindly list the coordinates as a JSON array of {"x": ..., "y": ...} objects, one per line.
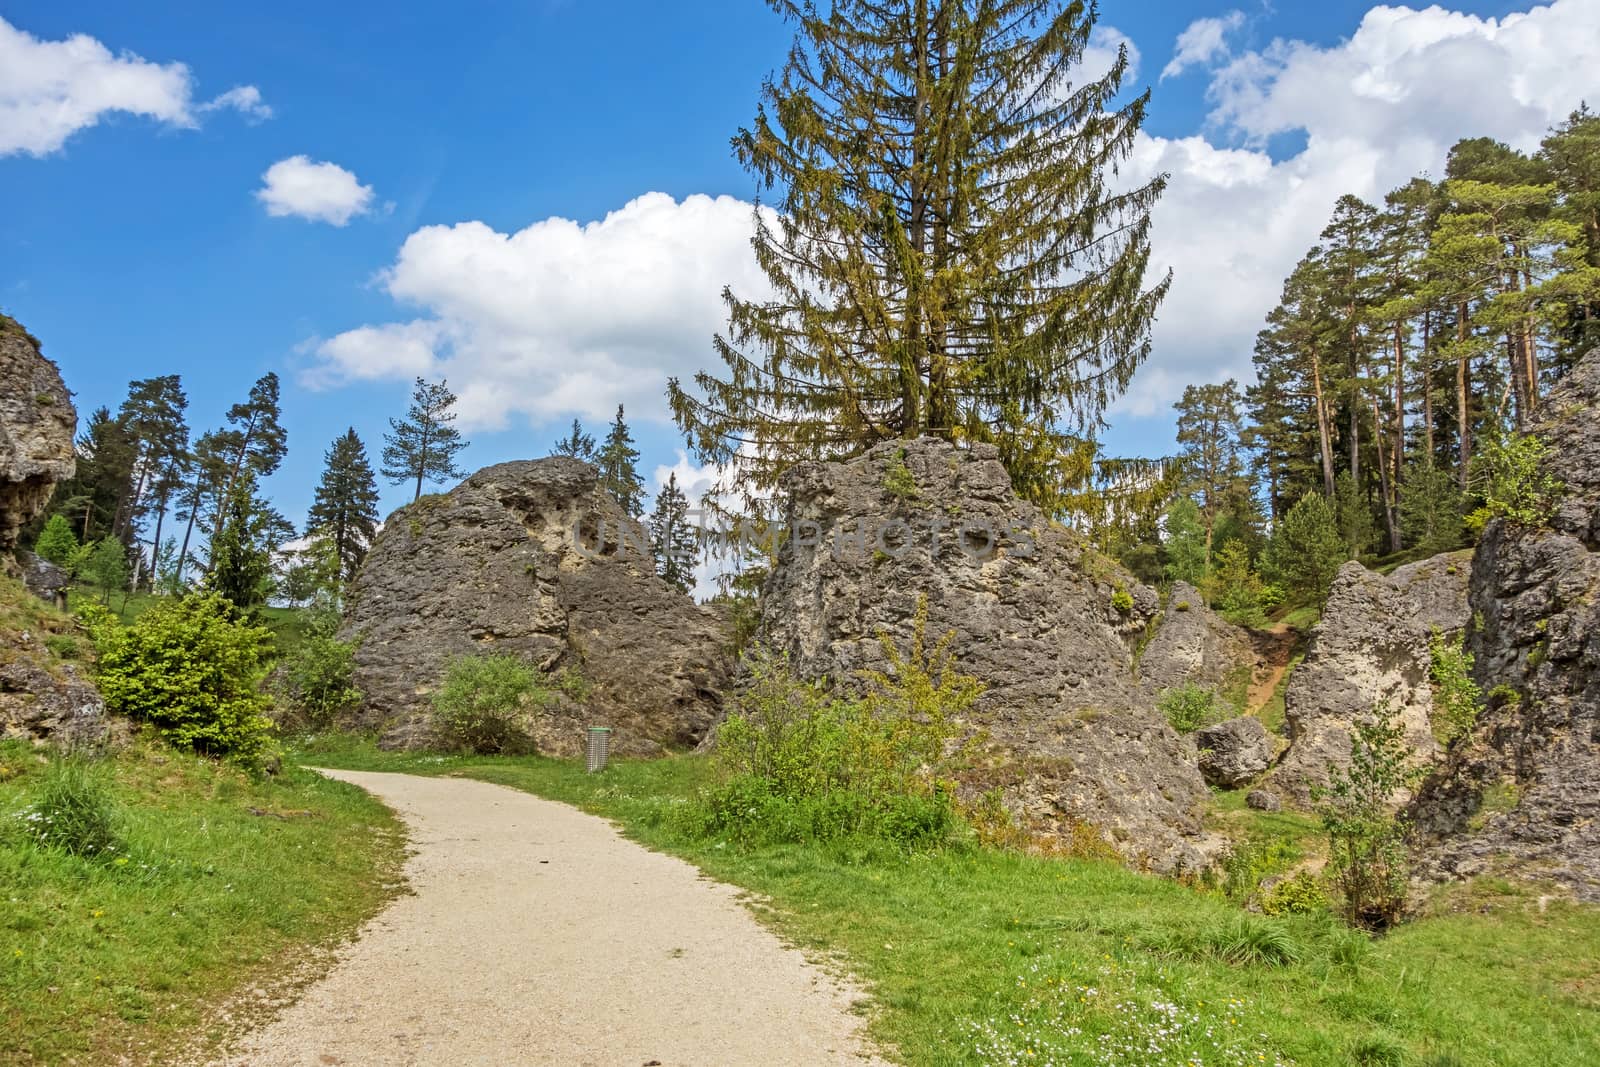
[
  {"x": 537, "y": 935},
  {"x": 1274, "y": 648}
]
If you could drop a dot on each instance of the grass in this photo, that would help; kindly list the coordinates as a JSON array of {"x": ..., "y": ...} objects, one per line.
[
  {"x": 980, "y": 957},
  {"x": 130, "y": 956}
]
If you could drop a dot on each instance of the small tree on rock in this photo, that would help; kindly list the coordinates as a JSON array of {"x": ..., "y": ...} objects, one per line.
[
  {"x": 576, "y": 444},
  {"x": 619, "y": 467},
  {"x": 423, "y": 446},
  {"x": 672, "y": 538}
]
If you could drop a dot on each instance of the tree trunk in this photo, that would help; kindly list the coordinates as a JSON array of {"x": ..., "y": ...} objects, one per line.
[
  {"x": 233, "y": 471},
  {"x": 1324, "y": 430},
  {"x": 1386, "y": 487},
  {"x": 1427, "y": 385},
  {"x": 1463, "y": 397}
]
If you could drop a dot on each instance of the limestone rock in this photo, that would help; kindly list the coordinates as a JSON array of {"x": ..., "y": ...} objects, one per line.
[
  {"x": 45, "y": 580},
  {"x": 1522, "y": 793},
  {"x": 512, "y": 561},
  {"x": 1262, "y": 800},
  {"x": 1370, "y": 648},
  {"x": 1233, "y": 752},
  {"x": 37, "y": 422},
  {"x": 1192, "y": 644},
  {"x": 1033, "y": 612}
]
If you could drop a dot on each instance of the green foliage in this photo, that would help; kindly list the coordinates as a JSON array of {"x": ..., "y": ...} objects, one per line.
[
  {"x": 422, "y": 447},
  {"x": 1185, "y": 544},
  {"x": 573, "y": 684},
  {"x": 317, "y": 679},
  {"x": 1235, "y": 589},
  {"x": 1122, "y": 602},
  {"x": 1190, "y": 707},
  {"x": 1513, "y": 482},
  {"x": 241, "y": 552},
  {"x": 57, "y": 543},
  {"x": 898, "y": 481},
  {"x": 105, "y": 565},
  {"x": 577, "y": 444},
  {"x": 1367, "y": 859},
  {"x": 618, "y": 461},
  {"x": 1457, "y": 700},
  {"x": 1306, "y": 551},
  {"x": 1357, "y": 526},
  {"x": 799, "y": 762},
  {"x": 189, "y": 667},
  {"x": 345, "y": 511},
  {"x": 673, "y": 539},
  {"x": 74, "y": 811},
  {"x": 1300, "y": 895},
  {"x": 485, "y": 704},
  {"x": 1430, "y": 509}
]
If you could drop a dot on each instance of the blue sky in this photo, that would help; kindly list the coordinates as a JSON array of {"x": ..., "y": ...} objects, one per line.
[{"x": 138, "y": 245}]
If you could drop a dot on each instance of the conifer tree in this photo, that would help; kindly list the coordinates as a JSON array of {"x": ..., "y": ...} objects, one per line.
[
  {"x": 576, "y": 444},
  {"x": 104, "y": 477},
  {"x": 948, "y": 256},
  {"x": 207, "y": 475},
  {"x": 254, "y": 442},
  {"x": 1306, "y": 550},
  {"x": 618, "y": 461},
  {"x": 345, "y": 509},
  {"x": 241, "y": 552},
  {"x": 57, "y": 543},
  {"x": 672, "y": 538},
  {"x": 1208, "y": 436},
  {"x": 423, "y": 446}
]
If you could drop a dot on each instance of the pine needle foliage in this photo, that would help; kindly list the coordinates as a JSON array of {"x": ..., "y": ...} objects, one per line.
[{"x": 949, "y": 254}]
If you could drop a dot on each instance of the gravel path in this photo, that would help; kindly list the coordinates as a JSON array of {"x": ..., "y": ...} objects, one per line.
[{"x": 538, "y": 935}]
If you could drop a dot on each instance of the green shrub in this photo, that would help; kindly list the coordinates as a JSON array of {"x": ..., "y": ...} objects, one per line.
[
  {"x": 799, "y": 762},
  {"x": 1300, "y": 895},
  {"x": 485, "y": 704},
  {"x": 1190, "y": 707},
  {"x": 1513, "y": 482},
  {"x": 898, "y": 480},
  {"x": 1122, "y": 601},
  {"x": 1367, "y": 859},
  {"x": 74, "y": 811},
  {"x": 1306, "y": 550},
  {"x": 317, "y": 679},
  {"x": 57, "y": 543},
  {"x": 190, "y": 668},
  {"x": 573, "y": 684},
  {"x": 1251, "y": 861},
  {"x": 1457, "y": 700}
]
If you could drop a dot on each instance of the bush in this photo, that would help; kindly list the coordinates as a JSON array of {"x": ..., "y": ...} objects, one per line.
[
  {"x": 1367, "y": 858},
  {"x": 193, "y": 670},
  {"x": 1122, "y": 601},
  {"x": 1300, "y": 895},
  {"x": 57, "y": 543},
  {"x": 317, "y": 678},
  {"x": 1513, "y": 482},
  {"x": 74, "y": 812},
  {"x": 799, "y": 762},
  {"x": 485, "y": 703},
  {"x": 1190, "y": 707},
  {"x": 1457, "y": 700},
  {"x": 1235, "y": 588}
]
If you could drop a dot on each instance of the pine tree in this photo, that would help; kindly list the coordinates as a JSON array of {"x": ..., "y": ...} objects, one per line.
[
  {"x": 1208, "y": 436},
  {"x": 346, "y": 506},
  {"x": 577, "y": 444},
  {"x": 254, "y": 443},
  {"x": 153, "y": 414},
  {"x": 672, "y": 538},
  {"x": 241, "y": 552},
  {"x": 1306, "y": 550},
  {"x": 56, "y": 542},
  {"x": 104, "y": 477},
  {"x": 207, "y": 475},
  {"x": 948, "y": 256},
  {"x": 618, "y": 461},
  {"x": 423, "y": 446}
]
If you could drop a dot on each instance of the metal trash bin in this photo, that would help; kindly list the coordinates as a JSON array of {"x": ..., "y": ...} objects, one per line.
[{"x": 599, "y": 748}]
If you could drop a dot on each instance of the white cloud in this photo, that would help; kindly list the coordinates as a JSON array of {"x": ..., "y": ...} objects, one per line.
[
  {"x": 1202, "y": 42},
  {"x": 321, "y": 192},
  {"x": 559, "y": 318},
  {"x": 1376, "y": 110},
  {"x": 50, "y": 90},
  {"x": 1100, "y": 55}
]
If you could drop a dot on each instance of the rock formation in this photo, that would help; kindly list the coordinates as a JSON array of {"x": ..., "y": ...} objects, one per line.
[
  {"x": 1192, "y": 644},
  {"x": 1370, "y": 648},
  {"x": 512, "y": 561},
  {"x": 44, "y": 696},
  {"x": 1234, "y": 752},
  {"x": 1047, "y": 624},
  {"x": 37, "y": 422},
  {"x": 1523, "y": 791}
]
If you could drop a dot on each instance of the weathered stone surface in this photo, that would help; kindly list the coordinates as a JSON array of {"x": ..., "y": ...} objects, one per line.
[
  {"x": 45, "y": 580},
  {"x": 37, "y": 422},
  {"x": 1034, "y": 615},
  {"x": 1194, "y": 644},
  {"x": 42, "y": 696},
  {"x": 493, "y": 566},
  {"x": 1262, "y": 800},
  {"x": 1522, "y": 793},
  {"x": 1370, "y": 648},
  {"x": 1233, "y": 752}
]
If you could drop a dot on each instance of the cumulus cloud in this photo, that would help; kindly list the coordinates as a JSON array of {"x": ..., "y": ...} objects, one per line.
[
  {"x": 1375, "y": 110},
  {"x": 559, "y": 318},
  {"x": 322, "y": 192},
  {"x": 1203, "y": 42},
  {"x": 50, "y": 90}
]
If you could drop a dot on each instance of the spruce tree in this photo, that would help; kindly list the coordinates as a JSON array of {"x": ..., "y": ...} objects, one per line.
[
  {"x": 57, "y": 543},
  {"x": 346, "y": 506},
  {"x": 948, "y": 256},
  {"x": 241, "y": 552},
  {"x": 576, "y": 444},
  {"x": 104, "y": 477},
  {"x": 1306, "y": 550},
  {"x": 618, "y": 461},
  {"x": 672, "y": 538},
  {"x": 423, "y": 446},
  {"x": 202, "y": 489}
]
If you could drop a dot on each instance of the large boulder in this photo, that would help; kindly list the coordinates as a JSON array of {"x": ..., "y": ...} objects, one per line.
[
  {"x": 1369, "y": 650},
  {"x": 37, "y": 422},
  {"x": 533, "y": 559},
  {"x": 1522, "y": 793},
  {"x": 1044, "y": 622},
  {"x": 1234, "y": 752},
  {"x": 44, "y": 692},
  {"x": 1193, "y": 644}
]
